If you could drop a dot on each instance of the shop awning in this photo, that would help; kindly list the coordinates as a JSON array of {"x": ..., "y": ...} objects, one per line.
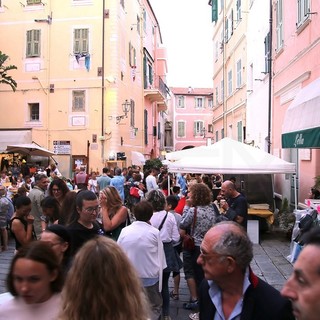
[{"x": 301, "y": 126}]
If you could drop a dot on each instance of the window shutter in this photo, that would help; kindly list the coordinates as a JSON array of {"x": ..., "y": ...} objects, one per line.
[
  {"x": 145, "y": 78},
  {"x": 145, "y": 127},
  {"x": 130, "y": 48},
  {"x": 132, "y": 115},
  {"x": 84, "y": 48},
  {"x": 29, "y": 49},
  {"x": 195, "y": 128},
  {"x": 76, "y": 44},
  {"x": 36, "y": 43},
  {"x": 214, "y": 5}
]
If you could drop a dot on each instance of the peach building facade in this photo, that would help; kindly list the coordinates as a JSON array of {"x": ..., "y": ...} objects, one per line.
[{"x": 91, "y": 79}]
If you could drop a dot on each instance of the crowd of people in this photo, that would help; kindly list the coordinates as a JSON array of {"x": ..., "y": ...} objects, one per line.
[{"x": 115, "y": 239}]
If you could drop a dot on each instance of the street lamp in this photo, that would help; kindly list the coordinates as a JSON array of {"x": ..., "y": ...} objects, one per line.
[{"x": 126, "y": 107}]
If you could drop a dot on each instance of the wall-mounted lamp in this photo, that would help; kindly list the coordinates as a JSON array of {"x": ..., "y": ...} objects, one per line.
[{"x": 126, "y": 107}]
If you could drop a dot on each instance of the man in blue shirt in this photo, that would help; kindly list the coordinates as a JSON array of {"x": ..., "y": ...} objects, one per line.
[{"x": 118, "y": 182}]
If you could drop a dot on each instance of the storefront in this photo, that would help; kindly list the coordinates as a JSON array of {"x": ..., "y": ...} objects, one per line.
[{"x": 301, "y": 134}]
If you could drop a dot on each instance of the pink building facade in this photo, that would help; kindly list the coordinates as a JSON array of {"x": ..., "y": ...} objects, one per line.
[
  {"x": 296, "y": 68},
  {"x": 191, "y": 117}
]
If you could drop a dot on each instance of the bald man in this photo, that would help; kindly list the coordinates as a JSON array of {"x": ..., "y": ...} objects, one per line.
[
  {"x": 236, "y": 206},
  {"x": 230, "y": 289},
  {"x": 303, "y": 287}
]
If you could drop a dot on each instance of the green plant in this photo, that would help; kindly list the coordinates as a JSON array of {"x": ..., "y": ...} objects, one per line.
[
  {"x": 286, "y": 219},
  {"x": 152, "y": 163},
  {"x": 316, "y": 182},
  {"x": 4, "y": 77}
]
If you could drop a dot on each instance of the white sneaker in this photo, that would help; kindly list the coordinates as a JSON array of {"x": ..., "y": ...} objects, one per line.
[{"x": 194, "y": 316}]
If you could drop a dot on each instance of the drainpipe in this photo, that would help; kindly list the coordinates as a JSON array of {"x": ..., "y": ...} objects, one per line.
[
  {"x": 270, "y": 79},
  {"x": 102, "y": 81}
]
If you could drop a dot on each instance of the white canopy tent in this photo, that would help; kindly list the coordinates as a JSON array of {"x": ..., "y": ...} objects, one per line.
[
  {"x": 228, "y": 156},
  {"x": 137, "y": 158}
]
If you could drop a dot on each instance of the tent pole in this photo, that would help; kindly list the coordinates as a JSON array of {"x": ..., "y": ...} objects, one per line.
[{"x": 295, "y": 190}]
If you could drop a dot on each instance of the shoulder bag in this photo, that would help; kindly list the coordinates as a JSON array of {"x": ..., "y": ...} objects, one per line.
[{"x": 188, "y": 240}]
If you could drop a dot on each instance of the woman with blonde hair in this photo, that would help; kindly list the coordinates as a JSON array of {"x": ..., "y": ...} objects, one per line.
[
  {"x": 114, "y": 214},
  {"x": 110, "y": 281}
]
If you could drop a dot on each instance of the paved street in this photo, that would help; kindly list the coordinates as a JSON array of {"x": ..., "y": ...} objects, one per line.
[{"x": 269, "y": 263}]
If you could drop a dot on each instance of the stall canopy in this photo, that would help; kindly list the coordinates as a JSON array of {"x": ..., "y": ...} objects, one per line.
[
  {"x": 301, "y": 126},
  {"x": 137, "y": 158},
  {"x": 228, "y": 156},
  {"x": 31, "y": 149}
]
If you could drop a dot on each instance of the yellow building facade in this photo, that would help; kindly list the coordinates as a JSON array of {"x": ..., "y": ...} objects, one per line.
[{"x": 229, "y": 76}]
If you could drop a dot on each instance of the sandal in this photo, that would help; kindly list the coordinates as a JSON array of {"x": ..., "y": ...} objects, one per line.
[
  {"x": 191, "y": 305},
  {"x": 174, "y": 296}
]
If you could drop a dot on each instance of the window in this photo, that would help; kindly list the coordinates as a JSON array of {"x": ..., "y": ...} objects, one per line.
[
  {"x": 180, "y": 102},
  {"x": 303, "y": 10},
  {"x": 239, "y": 74},
  {"x": 132, "y": 113},
  {"x": 222, "y": 133},
  {"x": 33, "y": 43},
  {"x": 33, "y": 2},
  {"x": 145, "y": 127},
  {"x": 231, "y": 23},
  {"x": 132, "y": 56},
  {"x": 144, "y": 20},
  {"x": 81, "y": 41},
  {"x": 34, "y": 111},
  {"x": 216, "y": 54},
  {"x": 238, "y": 7},
  {"x": 138, "y": 24},
  {"x": 181, "y": 129},
  {"x": 221, "y": 5},
  {"x": 267, "y": 53},
  {"x": 229, "y": 82},
  {"x": 226, "y": 30},
  {"x": 222, "y": 90},
  {"x": 210, "y": 103},
  {"x": 147, "y": 73},
  {"x": 78, "y": 101},
  {"x": 217, "y": 136},
  {"x": 210, "y": 128},
  {"x": 199, "y": 102},
  {"x": 198, "y": 128},
  {"x": 217, "y": 96},
  {"x": 279, "y": 24},
  {"x": 239, "y": 125}
]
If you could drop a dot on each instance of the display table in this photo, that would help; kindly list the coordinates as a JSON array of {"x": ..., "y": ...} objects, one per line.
[{"x": 262, "y": 213}]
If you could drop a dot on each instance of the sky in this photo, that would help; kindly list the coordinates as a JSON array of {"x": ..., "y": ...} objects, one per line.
[{"x": 186, "y": 30}]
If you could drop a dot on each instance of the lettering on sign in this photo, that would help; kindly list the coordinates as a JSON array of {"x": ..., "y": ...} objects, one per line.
[
  {"x": 61, "y": 147},
  {"x": 299, "y": 140}
]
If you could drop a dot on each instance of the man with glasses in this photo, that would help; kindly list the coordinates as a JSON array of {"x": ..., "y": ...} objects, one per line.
[
  {"x": 230, "y": 289},
  {"x": 84, "y": 226}
]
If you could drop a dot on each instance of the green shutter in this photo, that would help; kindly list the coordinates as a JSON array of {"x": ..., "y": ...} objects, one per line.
[
  {"x": 145, "y": 78},
  {"x": 214, "y": 4}
]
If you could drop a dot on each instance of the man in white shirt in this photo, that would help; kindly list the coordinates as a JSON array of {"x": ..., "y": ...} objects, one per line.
[
  {"x": 151, "y": 181},
  {"x": 143, "y": 246}
]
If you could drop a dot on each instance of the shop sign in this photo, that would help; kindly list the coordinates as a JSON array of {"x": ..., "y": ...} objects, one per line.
[{"x": 61, "y": 147}]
